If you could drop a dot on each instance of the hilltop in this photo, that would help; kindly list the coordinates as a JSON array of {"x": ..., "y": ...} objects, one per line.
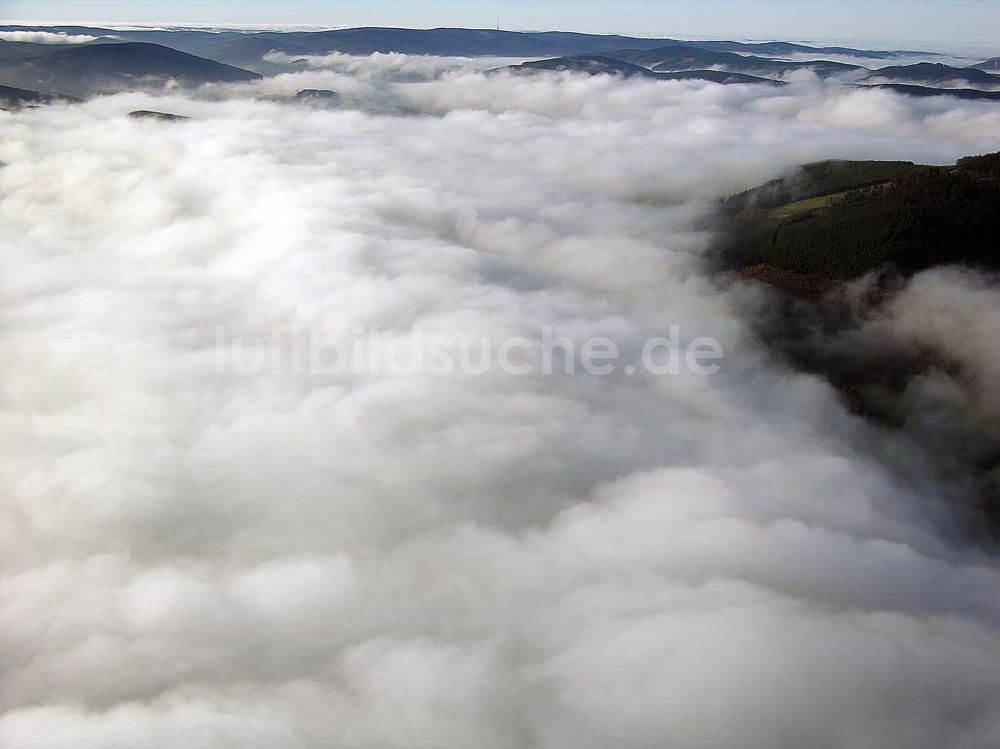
[
  {"x": 936, "y": 73},
  {"x": 835, "y": 221},
  {"x": 82, "y": 70}
]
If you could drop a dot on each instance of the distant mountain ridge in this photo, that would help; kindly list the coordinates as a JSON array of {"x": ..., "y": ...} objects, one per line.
[
  {"x": 147, "y": 58},
  {"x": 936, "y": 73},
  {"x": 247, "y": 48},
  {"x": 990, "y": 66},
  {"x": 683, "y": 57},
  {"x": 590, "y": 64},
  {"x": 602, "y": 65},
  {"x": 969, "y": 94},
  {"x": 681, "y": 62}
]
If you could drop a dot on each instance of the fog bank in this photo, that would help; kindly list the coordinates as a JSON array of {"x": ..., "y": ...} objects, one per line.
[{"x": 209, "y": 559}]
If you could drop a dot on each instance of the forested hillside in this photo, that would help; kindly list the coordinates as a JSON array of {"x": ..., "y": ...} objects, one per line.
[{"x": 839, "y": 220}]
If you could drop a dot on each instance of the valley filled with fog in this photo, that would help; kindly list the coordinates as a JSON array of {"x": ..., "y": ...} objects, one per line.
[{"x": 199, "y": 555}]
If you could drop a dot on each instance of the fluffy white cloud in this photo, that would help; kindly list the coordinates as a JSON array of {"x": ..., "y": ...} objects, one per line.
[
  {"x": 199, "y": 558},
  {"x": 46, "y": 37}
]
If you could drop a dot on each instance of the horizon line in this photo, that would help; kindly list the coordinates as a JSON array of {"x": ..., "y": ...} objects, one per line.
[{"x": 926, "y": 45}]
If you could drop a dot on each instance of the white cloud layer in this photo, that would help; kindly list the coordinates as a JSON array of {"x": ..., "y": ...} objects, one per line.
[
  {"x": 192, "y": 559},
  {"x": 46, "y": 37}
]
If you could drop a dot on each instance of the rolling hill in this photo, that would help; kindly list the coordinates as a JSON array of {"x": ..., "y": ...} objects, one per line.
[
  {"x": 990, "y": 66},
  {"x": 683, "y": 57},
  {"x": 601, "y": 65},
  {"x": 82, "y": 70},
  {"x": 716, "y": 76},
  {"x": 807, "y": 236},
  {"x": 680, "y": 62},
  {"x": 12, "y": 98},
  {"x": 836, "y": 221},
  {"x": 589, "y": 64},
  {"x": 969, "y": 94},
  {"x": 933, "y": 73}
]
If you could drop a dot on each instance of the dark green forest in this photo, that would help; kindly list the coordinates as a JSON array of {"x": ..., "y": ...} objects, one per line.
[{"x": 898, "y": 214}]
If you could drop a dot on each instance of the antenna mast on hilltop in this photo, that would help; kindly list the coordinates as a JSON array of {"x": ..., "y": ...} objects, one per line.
[{"x": 498, "y": 24}]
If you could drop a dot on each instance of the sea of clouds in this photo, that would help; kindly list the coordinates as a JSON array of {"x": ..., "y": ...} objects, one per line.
[{"x": 202, "y": 558}]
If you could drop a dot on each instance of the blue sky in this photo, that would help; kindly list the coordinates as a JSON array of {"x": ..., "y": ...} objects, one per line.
[{"x": 967, "y": 21}]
